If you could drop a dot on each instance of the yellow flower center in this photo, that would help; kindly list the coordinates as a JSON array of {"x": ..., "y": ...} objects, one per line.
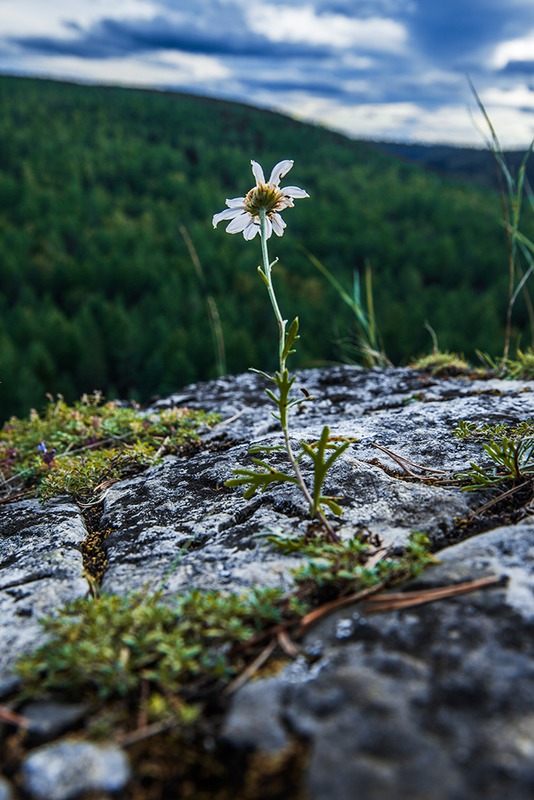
[{"x": 263, "y": 196}]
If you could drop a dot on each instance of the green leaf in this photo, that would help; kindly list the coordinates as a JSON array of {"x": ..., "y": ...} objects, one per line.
[{"x": 291, "y": 337}]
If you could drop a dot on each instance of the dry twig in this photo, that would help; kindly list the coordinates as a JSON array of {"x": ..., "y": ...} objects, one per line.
[
  {"x": 402, "y": 462},
  {"x": 393, "y": 602}
]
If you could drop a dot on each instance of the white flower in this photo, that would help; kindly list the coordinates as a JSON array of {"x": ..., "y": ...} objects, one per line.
[{"x": 244, "y": 212}]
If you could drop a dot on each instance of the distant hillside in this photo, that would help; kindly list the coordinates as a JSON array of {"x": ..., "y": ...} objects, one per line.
[
  {"x": 97, "y": 286},
  {"x": 465, "y": 163}
]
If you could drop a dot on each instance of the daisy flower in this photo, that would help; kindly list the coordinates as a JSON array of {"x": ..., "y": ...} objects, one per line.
[{"x": 244, "y": 212}]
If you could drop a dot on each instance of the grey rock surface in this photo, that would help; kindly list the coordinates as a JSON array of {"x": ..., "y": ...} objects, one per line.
[
  {"x": 183, "y": 503},
  {"x": 40, "y": 570},
  {"x": 68, "y": 769},
  {"x": 435, "y": 702},
  {"x": 5, "y": 790},
  {"x": 48, "y": 719},
  {"x": 397, "y": 407}
]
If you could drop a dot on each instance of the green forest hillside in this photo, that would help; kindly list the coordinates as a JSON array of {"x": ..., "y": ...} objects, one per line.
[
  {"x": 97, "y": 286},
  {"x": 468, "y": 163}
]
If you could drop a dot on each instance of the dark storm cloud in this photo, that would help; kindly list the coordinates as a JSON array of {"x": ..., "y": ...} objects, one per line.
[
  {"x": 212, "y": 32},
  {"x": 455, "y": 34}
]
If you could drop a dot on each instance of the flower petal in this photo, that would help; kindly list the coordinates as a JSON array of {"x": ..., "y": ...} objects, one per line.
[
  {"x": 228, "y": 213},
  {"x": 257, "y": 172},
  {"x": 293, "y": 191},
  {"x": 279, "y": 170},
  {"x": 268, "y": 228},
  {"x": 238, "y": 224},
  {"x": 250, "y": 231},
  {"x": 235, "y": 202},
  {"x": 278, "y": 224}
]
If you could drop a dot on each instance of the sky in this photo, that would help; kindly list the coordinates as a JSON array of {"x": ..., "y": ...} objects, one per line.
[{"x": 375, "y": 69}]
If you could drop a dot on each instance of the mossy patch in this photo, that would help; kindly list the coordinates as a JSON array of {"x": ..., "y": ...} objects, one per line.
[
  {"x": 443, "y": 364},
  {"x": 82, "y": 448},
  {"x": 157, "y": 673}
]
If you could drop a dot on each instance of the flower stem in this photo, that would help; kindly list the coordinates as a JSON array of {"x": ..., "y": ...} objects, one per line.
[
  {"x": 267, "y": 270},
  {"x": 267, "y": 267}
]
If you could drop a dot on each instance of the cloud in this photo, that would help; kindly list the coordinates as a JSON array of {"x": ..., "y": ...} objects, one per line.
[
  {"x": 214, "y": 32},
  {"x": 334, "y": 30},
  {"x": 519, "y": 68},
  {"x": 389, "y": 66},
  {"x": 457, "y": 33}
]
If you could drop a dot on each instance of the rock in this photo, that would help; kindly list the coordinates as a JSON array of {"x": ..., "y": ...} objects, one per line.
[
  {"x": 396, "y": 407},
  {"x": 261, "y": 708},
  {"x": 68, "y": 769},
  {"x": 5, "y": 790},
  {"x": 40, "y": 570},
  {"x": 8, "y": 685},
  {"x": 183, "y": 504},
  {"x": 48, "y": 719},
  {"x": 435, "y": 702}
]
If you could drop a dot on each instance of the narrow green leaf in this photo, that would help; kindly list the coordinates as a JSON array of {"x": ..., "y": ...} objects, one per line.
[{"x": 291, "y": 337}]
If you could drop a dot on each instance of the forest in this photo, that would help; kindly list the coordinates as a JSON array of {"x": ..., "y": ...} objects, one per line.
[{"x": 110, "y": 267}]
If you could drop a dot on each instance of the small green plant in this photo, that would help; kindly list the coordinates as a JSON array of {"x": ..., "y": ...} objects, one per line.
[
  {"x": 352, "y": 565},
  {"x": 519, "y": 368},
  {"x": 167, "y": 659},
  {"x": 522, "y": 367},
  {"x": 510, "y": 449},
  {"x": 76, "y": 449},
  {"x": 258, "y": 213},
  {"x": 144, "y": 651},
  {"x": 485, "y": 431}
]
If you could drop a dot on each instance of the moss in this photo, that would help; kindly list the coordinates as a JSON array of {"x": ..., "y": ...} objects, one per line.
[
  {"x": 94, "y": 556},
  {"x": 81, "y": 449},
  {"x": 442, "y": 364},
  {"x": 168, "y": 658},
  {"x": 522, "y": 367},
  {"x": 147, "y": 652}
]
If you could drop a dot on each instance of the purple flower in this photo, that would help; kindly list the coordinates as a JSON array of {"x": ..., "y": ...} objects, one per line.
[{"x": 47, "y": 455}]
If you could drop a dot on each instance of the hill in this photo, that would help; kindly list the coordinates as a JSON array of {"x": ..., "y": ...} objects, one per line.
[
  {"x": 97, "y": 286},
  {"x": 465, "y": 163}
]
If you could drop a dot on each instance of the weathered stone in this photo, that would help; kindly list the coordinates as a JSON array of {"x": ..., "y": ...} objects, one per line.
[
  {"x": 435, "y": 702},
  {"x": 40, "y": 570},
  {"x": 48, "y": 719},
  {"x": 180, "y": 519},
  {"x": 5, "y": 790},
  {"x": 252, "y": 707},
  {"x": 396, "y": 407},
  {"x": 8, "y": 685},
  {"x": 68, "y": 769}
]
